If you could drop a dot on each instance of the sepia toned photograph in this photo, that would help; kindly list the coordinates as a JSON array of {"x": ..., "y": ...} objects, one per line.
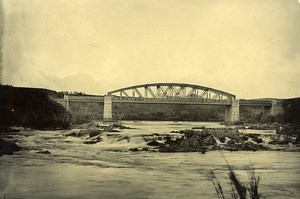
[{"x": 149, "y": 99}]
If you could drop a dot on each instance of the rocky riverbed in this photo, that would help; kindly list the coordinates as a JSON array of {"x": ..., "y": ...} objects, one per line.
[
  {"x": 194, "y": 139},
  {"x": 126, "y": 158},
  {"x": 228, "y": 139}
]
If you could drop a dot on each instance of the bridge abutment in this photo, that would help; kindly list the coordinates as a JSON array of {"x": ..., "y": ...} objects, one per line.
[
  {"x": 67, "y": 102},
  {"x": 274, "y": 109},
  {"x": 232, "y": 113},
  {"x": 107, "y": 110}
]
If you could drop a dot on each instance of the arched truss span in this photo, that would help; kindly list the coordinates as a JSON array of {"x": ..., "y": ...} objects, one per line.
[{"x": 171, "y": 92}]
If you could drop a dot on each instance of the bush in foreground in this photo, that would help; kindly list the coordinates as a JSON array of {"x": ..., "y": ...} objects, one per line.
[{"x": 238, "y": 190}]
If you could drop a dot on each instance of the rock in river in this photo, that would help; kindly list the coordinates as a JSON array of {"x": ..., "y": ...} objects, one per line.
[
  {"x": 44, "y": 152},
  {"x": 153, "y": 143},
  {"x": 90, "y": 132},
  {"x": 7, "y": 147},
  {"x": 93, "y": 140}
]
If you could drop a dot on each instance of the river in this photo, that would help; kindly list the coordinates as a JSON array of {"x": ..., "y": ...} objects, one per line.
[{"x": 108, "y": 170}]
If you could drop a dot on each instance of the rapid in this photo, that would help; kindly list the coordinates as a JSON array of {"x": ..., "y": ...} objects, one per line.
[{"x": 108, "y": 169}]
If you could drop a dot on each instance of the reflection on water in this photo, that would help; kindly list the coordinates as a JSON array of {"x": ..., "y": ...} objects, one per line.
[{"x": 108, "y": 170}]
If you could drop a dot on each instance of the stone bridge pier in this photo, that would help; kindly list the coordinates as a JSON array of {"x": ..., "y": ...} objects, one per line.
[
  {"x": 232, "y": 112},
  {"x": 107, "y": 110},
  {"x": 275, "y": 109}
]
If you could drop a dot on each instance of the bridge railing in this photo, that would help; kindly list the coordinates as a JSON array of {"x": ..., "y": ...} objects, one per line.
[
  {"x": 256, "y": 102},
  {"x": 168, "y": 99},
  {"x": 86, "y": 98},
  {"x": 171, "y": 100}
]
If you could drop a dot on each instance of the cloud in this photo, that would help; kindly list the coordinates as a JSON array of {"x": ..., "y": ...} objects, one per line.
[
  {"x": 249, "y": 48},
  {"x": 80, "y": 82}
]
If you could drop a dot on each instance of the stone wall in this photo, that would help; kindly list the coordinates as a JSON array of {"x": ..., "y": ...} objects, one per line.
[{"x": 85, "y": 111}]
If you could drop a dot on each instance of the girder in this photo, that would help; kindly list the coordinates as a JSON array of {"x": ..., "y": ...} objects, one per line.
[
  {"x": 151, "y": 92},
  {"x": 138, "y": 92},
  {"x": 171, "y": 92},
  {"x": 191, "y": 98},
  {"x": 192, "y": 92}
]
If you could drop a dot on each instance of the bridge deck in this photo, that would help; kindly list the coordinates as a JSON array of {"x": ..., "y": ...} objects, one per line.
[{"x": 191, "y": 101}]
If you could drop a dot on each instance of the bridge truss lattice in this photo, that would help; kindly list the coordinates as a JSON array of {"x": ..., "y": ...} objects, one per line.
[{"x": 171, "y": 93}]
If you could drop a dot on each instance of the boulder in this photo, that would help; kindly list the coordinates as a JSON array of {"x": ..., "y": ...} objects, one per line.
[
  {"x": 90, "y": 132},
  {"x": 257, "y": 140},
  {"x": 44, "y": 152},
  {"x": 92, "y": 140},
  {"x": 8, "y": 147},
  {"x": 94, "y": 132},
  {"x": 222, "y": 139},
  {"x": 193, "y": 141},
  {"x": 200, "y": 137},
  {"x": 245, "y": 138},
  {"x": 253, "y": 135},
  {"x": 134, "y": 149},
  {"x": 188, "y": 133},
  {"x": 231, "y": 142},
  {"x": 250, "y": 146},
  {"x": 225, "y": 132},
  {"x": 74, "y": 134},
  {"x": 153, "y": 143},
  {"x": 208, "y": 140},
  {"x": 279, "y": 142},
  {"x": 168, "y": 149},
  {"x": 86, "y": 125},
  {"x": 176, "y": 142},
  {"x": 145, "y": 149},
  {"x": 119, "y": 126},
  {"x": 200, "y": 141},
  {"x": 199, "y": 127}
]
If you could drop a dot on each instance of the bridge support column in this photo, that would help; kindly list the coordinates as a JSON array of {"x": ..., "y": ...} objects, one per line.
[
  {"x": 107, "y": 111},
  {"x": 67, "y": 102},
  {"x": 232, "y": 113},
  {"x": 274, "y": 109}
]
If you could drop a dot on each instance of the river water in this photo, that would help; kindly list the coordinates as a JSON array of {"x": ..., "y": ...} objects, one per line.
[{"x": 108, "y": 170}]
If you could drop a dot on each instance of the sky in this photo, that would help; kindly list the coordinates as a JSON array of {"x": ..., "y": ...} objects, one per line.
[{"x": 250, "y": 48}]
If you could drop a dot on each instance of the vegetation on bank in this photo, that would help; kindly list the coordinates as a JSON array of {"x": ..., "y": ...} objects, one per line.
[
  {"x": 31, "y": 107},
  {"x": 288, "y": 122},
  {"x": 289, "y": 119}
]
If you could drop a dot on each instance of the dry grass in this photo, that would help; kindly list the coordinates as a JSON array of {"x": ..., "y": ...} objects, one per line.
[{"x": 238, "y": 190}]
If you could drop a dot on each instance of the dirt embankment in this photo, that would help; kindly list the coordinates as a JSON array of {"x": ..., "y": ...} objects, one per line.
[{"x": 30, "y": 107}]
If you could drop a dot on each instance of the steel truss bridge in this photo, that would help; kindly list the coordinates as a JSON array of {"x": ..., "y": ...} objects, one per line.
[
  {"x": 173, "y": 93},
  {"x": 178, "y": 93}
]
